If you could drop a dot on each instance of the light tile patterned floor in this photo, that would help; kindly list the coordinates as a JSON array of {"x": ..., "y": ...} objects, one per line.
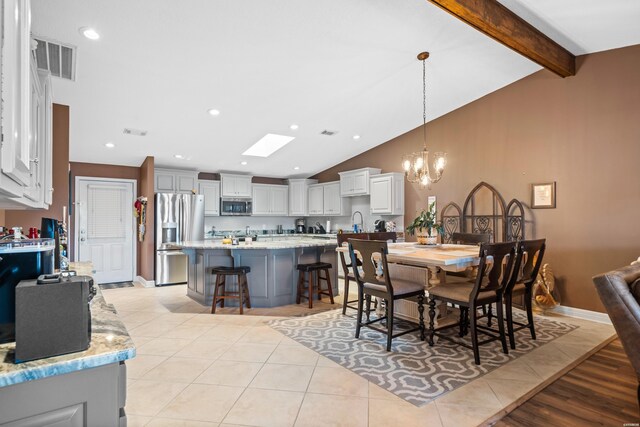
[{"x": 198, "y": 369}]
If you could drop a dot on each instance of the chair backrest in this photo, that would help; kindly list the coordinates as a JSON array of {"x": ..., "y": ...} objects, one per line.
[
  {"x": 373, "y": 256},
  {"x": 470, "y": 238},
  {"x": 342, "y": 238},
  {"x": 615, "y": 289},
  {"x": 496, "y": 267},
  {"x": 532, "y": 255},
  {"x": 384, "y": 235}
]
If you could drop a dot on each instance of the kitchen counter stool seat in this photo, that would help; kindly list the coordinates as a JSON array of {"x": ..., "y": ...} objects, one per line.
[
  {"x": 313, "y": 270},
  {"x": 220, "y": 293}
]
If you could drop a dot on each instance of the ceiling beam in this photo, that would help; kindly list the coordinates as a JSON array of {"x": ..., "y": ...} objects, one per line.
[{"x": 501, "y": 24}]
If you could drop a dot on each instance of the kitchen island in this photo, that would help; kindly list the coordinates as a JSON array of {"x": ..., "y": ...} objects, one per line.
[
  {"x": 82, "y": 388},
  {"x": 273, "y": 278}
]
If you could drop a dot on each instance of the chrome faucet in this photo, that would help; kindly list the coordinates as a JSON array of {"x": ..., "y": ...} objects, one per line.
[
  {"x": 246, "y": 231},
  {"x": 353, "y": 220}
]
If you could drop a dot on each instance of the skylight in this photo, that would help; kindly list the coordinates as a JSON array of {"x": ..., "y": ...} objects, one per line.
[{"x": 268, "y": 144}]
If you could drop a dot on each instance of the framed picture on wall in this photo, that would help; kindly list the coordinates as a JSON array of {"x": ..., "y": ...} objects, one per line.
[{"x": 543, "y": 196}]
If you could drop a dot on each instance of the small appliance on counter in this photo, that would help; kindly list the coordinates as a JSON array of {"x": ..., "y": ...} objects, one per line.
[
  {"x": 300, "y": 226},
  {"x": 53, "y": 315},
  {"x": 311, "y": 230},
  {"x": 380, "y": 225},
  {"x": 20, "y": 260}
]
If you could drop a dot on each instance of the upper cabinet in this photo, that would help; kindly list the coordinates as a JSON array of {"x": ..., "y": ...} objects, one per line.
[
  {"x": 211, "y": 192},
  {"x": 356, "y": 182},
  {"x": 175, "y": 181},
  {"x": 16, "y": 92},
  {"x": 235, "y": 185},
  {"x": 298, "y": 196},
  {"x": 316, "y": 199},
  {"x": 26, "y": 152},
  {"x": 270, "y": 200},
  {"x": 325, "y": 200},
  {"x": 387, "y": 194}
]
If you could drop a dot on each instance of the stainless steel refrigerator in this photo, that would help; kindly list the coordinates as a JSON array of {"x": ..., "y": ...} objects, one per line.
[{"x": 178, "y": 218}]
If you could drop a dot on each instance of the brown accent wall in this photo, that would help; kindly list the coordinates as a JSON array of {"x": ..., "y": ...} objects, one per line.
[
  {"x": 582, "y": 132},
  {"x": 146, "y": 249},
  {"x": 33, "y": 218},
  {"x": 100, "y": 171}
]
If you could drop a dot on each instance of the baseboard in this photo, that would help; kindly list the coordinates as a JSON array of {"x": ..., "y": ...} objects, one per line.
[
  {"x": 144, "y": 282},
  {"x": 593, "y": 316}
]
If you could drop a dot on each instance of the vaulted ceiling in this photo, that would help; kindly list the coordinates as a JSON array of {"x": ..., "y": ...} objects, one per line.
[{"x": 342, "y": 65}]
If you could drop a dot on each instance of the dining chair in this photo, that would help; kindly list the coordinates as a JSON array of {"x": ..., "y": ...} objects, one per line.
[
  {"x": 495, "y": 270},
  {"x": 521, "y": 283},
  {"x": 374, "y": 281},
  {"x": 470, "y": 238},
  {"x": 346, "y": 268}
]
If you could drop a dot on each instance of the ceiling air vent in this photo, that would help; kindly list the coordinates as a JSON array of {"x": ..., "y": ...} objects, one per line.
[
  {"x": 328, "y": 132},
  {"x": 136, "y": 132},
  {"x": 58, "y": 58}
]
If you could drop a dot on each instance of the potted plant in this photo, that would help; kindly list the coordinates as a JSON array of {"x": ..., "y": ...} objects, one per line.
[{"x": 426, "y": 227}]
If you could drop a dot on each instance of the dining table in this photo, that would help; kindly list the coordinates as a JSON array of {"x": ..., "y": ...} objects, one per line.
[
  {"x": 425, "y": 264},
  {"x": 437, "y": 259}
]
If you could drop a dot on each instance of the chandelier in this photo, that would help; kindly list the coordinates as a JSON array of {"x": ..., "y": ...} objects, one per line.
[{"x": 416, "y": 165}]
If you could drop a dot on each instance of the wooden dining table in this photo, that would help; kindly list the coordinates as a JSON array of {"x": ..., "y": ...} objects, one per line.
[
  {"x": 425, "y": 264},
  {"x": 437, "y": 259}
]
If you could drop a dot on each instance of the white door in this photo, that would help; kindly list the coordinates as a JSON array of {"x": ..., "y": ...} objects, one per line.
[{"x": 105, "y": 227}]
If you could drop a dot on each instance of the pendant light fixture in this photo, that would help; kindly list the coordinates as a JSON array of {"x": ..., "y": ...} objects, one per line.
[{"x": 416, "y": 165}]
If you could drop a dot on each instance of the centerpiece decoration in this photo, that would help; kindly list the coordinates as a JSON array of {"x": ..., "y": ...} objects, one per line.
[{"x": 426, "y": 227}]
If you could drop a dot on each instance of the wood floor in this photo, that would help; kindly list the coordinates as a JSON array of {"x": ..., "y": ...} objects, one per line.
[{"x": 601, "y": 391}]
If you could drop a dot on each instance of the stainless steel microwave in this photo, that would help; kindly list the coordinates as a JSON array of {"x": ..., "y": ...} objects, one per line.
[{"x": 238, "y": 207}]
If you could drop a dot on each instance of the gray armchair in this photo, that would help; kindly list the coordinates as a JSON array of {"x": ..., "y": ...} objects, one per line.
[{"x": 619, "y": 291}]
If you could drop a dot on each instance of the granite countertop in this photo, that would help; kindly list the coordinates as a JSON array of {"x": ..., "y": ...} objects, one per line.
[
  {"x": 273, "y": 244},
  {"x": 110, "y": 343}
]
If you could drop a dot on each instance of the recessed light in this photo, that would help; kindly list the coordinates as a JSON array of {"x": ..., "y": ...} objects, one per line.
[
  {"x": 243, "y": 163},
  {"x": 213, "y": 112},
  {"x": 89, "y": 33},
  {"x": 109, "y": 145},
  {"x": 296, "y": 168},
  {"x": 356, "y": 137},
  {"x": 268, "y": 144},
  {"x": 293, "y": 127},
  {"x": 178, "y": 156}
]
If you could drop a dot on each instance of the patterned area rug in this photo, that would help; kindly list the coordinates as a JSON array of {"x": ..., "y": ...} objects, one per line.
[
  {"x": 412, "y": 370},
  {"x": 116, "y": 285}
]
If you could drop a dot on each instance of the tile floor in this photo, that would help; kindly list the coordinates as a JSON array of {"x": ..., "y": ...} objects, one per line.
[{"x": 197, "y": 369}]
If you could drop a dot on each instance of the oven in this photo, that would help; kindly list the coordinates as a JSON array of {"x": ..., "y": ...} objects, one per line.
[{"x": 238, "y": 207}]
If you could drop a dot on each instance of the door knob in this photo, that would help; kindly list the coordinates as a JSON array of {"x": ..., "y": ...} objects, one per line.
[{"x": 82, "y": 239}]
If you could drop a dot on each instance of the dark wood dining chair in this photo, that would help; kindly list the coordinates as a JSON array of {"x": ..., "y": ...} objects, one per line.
[
  {"x": 345, "y": 260},
  {"x": 470, "y": 238},
  {"x": 374, "y": 281},
  {"x": 495, "y": 270},
  {"x": 521, "y": 283}
]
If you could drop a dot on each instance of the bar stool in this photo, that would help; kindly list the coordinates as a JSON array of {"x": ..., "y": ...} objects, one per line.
[
  {"x": 220, "y": 293},
  {"x": 314, "y": 270}
]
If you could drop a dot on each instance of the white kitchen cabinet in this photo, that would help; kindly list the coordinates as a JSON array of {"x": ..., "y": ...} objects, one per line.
[
  {"x": 387, "y": 194},
  {"x": 175, "y": 181},
  {"x": 16, "y": 95},
  {"x": 334, "y": 203},
  {"x": 316, "y": 199},
  {"x": 356, "y": 182},
  {"x": 299, "y": 197},
  {"x": 34, "y": 191},
  {"x": 269, "y": 200},
  {"x": 211, "y": 192},
  {"x": 325, "y": 200},
  {"x": 47, "y": 135},
  {"x": 235, "y": 185}
]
